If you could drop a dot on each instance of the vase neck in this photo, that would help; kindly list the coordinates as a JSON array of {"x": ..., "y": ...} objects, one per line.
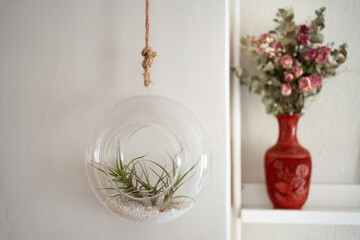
[{"x": 287, "y": 128}]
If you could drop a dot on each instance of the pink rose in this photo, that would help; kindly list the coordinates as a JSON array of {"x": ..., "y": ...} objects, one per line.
[
  {"x": 305, "y": 84},
  {"x": 259, "y": 50},
  {"x": 322, "y": 58},
  {"x": 323, "y": 55},
  {"x": 285, "y": 89},
  {"x": 265, "y": 37},
  {"x": 297, "y": 63},
  {"x": 325, "y": 49},
  {"x": 297, "y": 71},
  {"x": 303, "y": 28},
  {"x": 311, "y": 54},
  {"x": 277, "y": 46},
  {"x": 316, "y": 80},
  {"x": 302, "y": 39},
  {"x": 306, "y": 29},
  {"x": 286, "y": 61},
  {"x": 289, "y": 77}
]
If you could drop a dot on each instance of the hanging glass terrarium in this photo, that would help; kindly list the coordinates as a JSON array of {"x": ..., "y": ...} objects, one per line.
[{"x": 149, "y": 157}]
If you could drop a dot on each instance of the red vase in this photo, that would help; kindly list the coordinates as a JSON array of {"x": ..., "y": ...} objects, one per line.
[{"x": 288, "y": 167}]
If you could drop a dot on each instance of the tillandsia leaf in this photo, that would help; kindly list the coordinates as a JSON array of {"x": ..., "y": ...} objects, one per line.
[
  {"x": 133, "y": 160},
  {"x": 157, "y": 174},
  {"x": 178, "y": 183},
  {"x": 116, "y": 195},
  {"x": 119, "y": 160},
  {"x": 146, "y": 174},
  {"x": 188, "y": 171},
  {"x": 161, "y": 167},
  {"x": 182, "y": 182},
  {"x": 160, "y": 181},
  {"x": 133, "y": 178},
  {"x": 98, "y": 168},
  {"x": 174, "y": 165},
  {"x": 140, "y": 181},
  {"x": 114, "y": 174},
  {"x": 109, "y": 188}
]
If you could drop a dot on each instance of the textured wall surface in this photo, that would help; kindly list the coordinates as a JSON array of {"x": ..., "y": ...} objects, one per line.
[
  {"x": 330, "y": 128},
  {"x": 62, "y": 65}
]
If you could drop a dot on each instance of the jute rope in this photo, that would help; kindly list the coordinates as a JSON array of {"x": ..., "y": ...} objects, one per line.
[{"x": 147, "y": 52}]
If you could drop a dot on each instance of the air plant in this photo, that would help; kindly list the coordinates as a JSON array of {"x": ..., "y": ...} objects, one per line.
[{"x": 132, "y": 179}]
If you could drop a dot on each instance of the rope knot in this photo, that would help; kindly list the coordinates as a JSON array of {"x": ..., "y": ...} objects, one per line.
[
  {"x": 147, "y": 52},
  {"x": 149, "y": 56}
]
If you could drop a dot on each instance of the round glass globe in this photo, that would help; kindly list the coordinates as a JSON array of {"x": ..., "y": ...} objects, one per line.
[{"x": 148, "y": 159}]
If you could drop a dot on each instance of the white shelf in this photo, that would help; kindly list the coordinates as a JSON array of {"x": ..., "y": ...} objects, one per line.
[
  {"x": 346, "y": 216},
  {"x": 327, "y": 204}
]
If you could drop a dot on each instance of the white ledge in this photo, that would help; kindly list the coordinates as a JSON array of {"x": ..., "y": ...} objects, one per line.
[{"x": 335, "y": 204}]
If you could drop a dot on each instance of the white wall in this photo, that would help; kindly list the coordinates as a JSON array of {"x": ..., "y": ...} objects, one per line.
[
  {"x": 62, "y": 64},
  {"x": 330, "y": 127}
]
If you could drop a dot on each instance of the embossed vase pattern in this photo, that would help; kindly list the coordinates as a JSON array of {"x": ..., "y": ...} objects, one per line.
[{"x": 288, "y": 167}]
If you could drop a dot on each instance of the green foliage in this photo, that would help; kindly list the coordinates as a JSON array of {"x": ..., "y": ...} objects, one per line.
[
  {"x": 133, "y": 179},
  {"x": 177, "y": 184},
  {"x": 317, "y": 38},
  {"x": 296, "y": 42}
]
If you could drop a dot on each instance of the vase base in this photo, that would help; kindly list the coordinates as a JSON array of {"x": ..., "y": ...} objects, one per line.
[{"x": 293, "y": 208}]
